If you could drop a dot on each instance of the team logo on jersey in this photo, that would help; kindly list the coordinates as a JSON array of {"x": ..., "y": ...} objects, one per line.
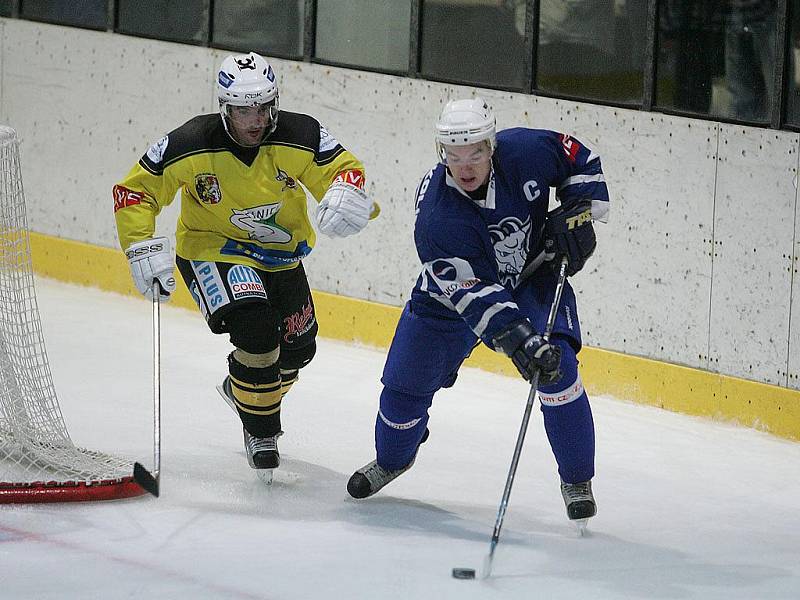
[
  {"x": 299, "y": 323},
  {"x": 288, "y": 182},
  {"x": 260, "y": 225},
  {"x": 207, "y": 187},
  {"x": 511, "y": 240},
  {"x": 156, "y": 151},
  {"x": 245, "y": 283}
]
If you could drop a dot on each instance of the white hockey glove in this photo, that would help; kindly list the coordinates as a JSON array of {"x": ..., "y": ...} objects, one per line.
[
  {"x": 152, "y": 259},
  {"x": 344, "y": 210}
]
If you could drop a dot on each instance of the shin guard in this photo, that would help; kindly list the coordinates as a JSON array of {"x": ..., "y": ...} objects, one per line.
[
  {"x": 257, "y": 395},
  {"x": 568, "y": 420},
  {"x": 399, "y": 427}
]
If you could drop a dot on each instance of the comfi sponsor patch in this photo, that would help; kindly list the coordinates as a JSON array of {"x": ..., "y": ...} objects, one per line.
[
  {"x": 244, "y": 282},
  {"x": 124, "y": 197}
]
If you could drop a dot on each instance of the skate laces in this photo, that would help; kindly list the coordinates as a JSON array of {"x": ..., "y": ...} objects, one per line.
[
  {"x": 376, "y": 474},
  {"x": 576, "y": 492},
  {"x": 265, "y": 444}
]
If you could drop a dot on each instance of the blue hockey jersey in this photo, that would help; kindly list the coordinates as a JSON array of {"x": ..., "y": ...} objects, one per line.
[{"x": 474, "y": 252}]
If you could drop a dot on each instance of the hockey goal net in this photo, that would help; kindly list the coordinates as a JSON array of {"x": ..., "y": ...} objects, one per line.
[{"x": 38, "y": 460}]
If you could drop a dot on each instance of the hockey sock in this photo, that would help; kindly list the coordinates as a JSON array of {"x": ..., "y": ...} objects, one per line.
[
  {"x": 400, "y": 427},
  {"x": 257, "y": 394},
  {"x": 568, "y": 420},
  {"x": 288, "y": 377}
]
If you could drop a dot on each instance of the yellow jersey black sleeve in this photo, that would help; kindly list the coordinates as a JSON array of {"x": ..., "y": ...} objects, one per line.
[{"x": 238, "y": 205}]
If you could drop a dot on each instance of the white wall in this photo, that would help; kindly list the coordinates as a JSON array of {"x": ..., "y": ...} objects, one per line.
[{"x": 698, "y": 265}]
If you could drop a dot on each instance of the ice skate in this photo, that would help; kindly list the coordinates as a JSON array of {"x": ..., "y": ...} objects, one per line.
[
  {"x": 579, "y": 500},
  {"x": 262, "y": 453},
  {"x": 372, "y": 477}
]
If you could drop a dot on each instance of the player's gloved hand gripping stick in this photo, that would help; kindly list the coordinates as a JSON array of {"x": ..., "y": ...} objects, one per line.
[{"x": 460, "y": 573}]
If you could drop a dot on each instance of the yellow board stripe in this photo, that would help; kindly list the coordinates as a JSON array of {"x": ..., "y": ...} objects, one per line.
[{"x": 673, "y": 387}]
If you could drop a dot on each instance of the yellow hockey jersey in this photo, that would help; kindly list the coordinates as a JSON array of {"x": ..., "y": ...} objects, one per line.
[{"x": 238, "y": 205}]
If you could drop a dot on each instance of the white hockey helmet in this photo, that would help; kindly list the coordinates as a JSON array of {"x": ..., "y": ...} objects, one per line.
[
  {"x": 465, "y": 122},
  {"x": 247, "y": 80}
]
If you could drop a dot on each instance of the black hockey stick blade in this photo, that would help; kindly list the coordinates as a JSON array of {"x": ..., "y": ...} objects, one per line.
[{"x": 143, "y": 477}]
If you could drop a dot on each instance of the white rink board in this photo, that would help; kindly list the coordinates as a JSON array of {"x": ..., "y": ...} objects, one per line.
[
  {"x": 754, "y": 228},
  {"x": 108, "y": 102},
  {"x": 650, "y": 282},
  {"x": 648, "y": 290}
]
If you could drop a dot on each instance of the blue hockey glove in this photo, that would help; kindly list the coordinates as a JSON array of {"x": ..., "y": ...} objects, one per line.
[
  {"x": 569, "y": 232},
  {"x": 529, "y": 352}
]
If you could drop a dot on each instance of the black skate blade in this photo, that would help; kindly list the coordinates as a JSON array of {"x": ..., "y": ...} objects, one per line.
[{"x": 143, "y": 477}]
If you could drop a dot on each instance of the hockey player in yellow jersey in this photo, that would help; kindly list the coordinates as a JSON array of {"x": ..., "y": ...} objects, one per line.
[{"x": 243, "y": 231}]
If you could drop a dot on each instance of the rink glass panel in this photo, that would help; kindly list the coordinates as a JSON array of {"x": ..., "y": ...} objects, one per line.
[
  {"x": 185, "y": 21},
  {"x": 271, "y": 27},
  {"x": 377, "y": 39},
  {"x": 480, "y": 42},
  {"x": 92, "y": 14},
  {"x": 792, "y": 87},
  {"x": 717, "y": 59},
  {"x": 593, "y": 50}
]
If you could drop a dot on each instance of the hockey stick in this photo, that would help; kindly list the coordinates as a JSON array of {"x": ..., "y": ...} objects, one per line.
[
  {"x": 150, "y": 481},
  {"x": 501, "y": 512}
]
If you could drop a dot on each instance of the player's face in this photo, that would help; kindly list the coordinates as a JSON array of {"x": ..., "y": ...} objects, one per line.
[
  {"x": 469, "y": 165},
  {"x": 249, "y": 123}
]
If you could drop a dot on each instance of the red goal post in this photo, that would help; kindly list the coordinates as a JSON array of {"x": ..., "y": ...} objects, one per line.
[{"x": 38, "y": 460}]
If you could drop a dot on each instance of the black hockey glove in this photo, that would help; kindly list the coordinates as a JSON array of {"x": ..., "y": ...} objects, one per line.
[
  {"x": 569, "y": 232},
  {"x": 529, "y": 352}
]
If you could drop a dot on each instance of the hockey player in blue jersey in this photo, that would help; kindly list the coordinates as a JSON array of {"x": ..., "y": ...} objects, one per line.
[{"x": 489, "y": 250}]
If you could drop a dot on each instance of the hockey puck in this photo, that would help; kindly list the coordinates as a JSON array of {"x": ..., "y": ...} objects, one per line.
[{"x": 463, "y": 573}]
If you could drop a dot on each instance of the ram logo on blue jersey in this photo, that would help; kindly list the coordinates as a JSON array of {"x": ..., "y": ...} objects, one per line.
[{"x": 511, "y": 241}]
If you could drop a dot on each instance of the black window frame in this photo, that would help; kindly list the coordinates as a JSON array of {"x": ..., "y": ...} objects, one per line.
[{"x": 777, "y": 118}]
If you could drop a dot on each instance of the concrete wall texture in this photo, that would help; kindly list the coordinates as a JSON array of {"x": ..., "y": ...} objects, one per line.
[{"x": 698, "y": 265}]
